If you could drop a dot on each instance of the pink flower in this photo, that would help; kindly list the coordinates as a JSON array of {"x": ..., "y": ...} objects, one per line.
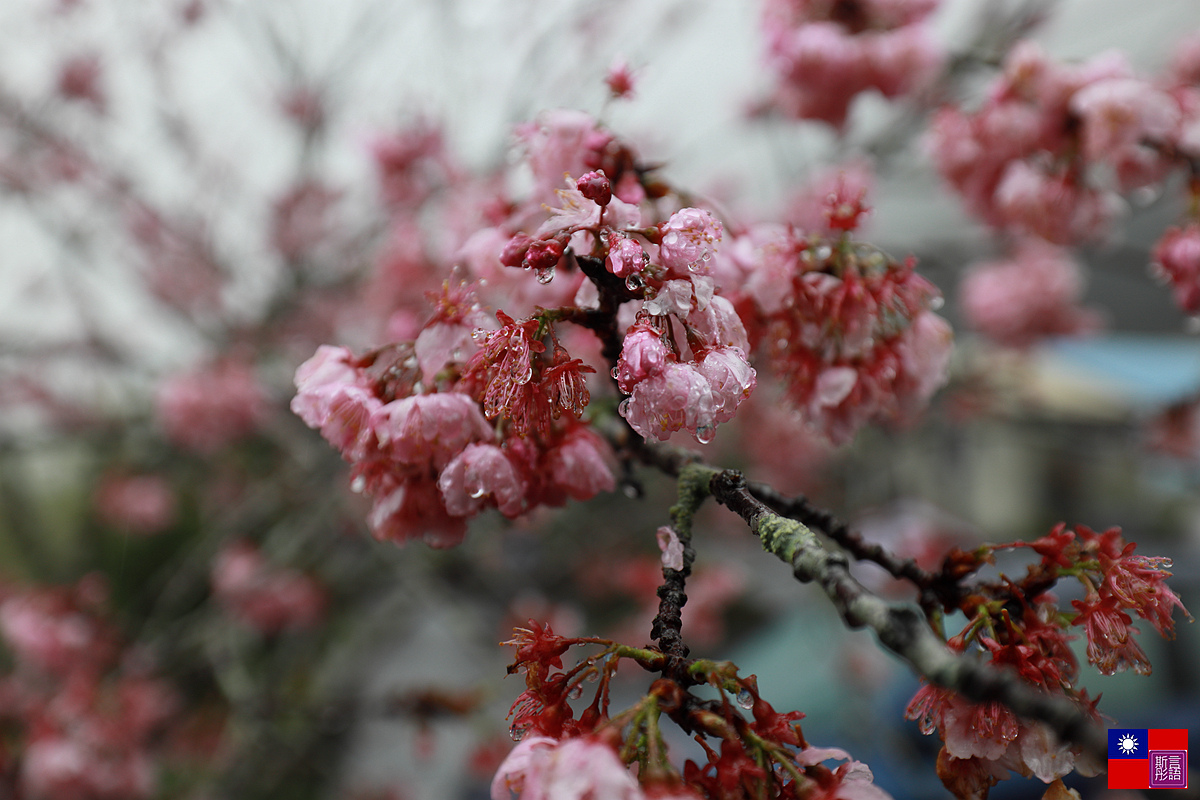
[
  {"x": 730, "y": 378},
  {"x": 673, "y": 399},
  {"x": 79, "y": 78},
  {"x": 1018, "y": 301},
  {"x": 212, "y": 406},
  {"x": 142, "y": 504},
  {"x": 620, "y": 79},
  {"x": 47, "y": 630},
  {"x": 1055, "y": 207},
  {"x": 643, "y": 354},
  {"x": 541, "y": 768},
  {"x": 673, "y": 297},
  {"x": 69, "y": 766},
  {"x": 429, "y": 429},
  {"x": 1119, "y": 113},
  {"x": 479, "y": 476},
  {"x": 1139, "y": 583},
  {"x": 1177, "y": 260},
  {"x": 718, "y": 325},
  {"x": 671, "y": 547},
  {"x": 413, "y": 509},
  {"x": 924, "y": 352},
  {"x": 1111, "y": 646},
  {"x": 625, "y": 256},
  {"x": 579, "y": 464},
  {"x": 560, "y": 142},
  {"x": 267, "y": 598},
  {"x": 688, "y": 240}
]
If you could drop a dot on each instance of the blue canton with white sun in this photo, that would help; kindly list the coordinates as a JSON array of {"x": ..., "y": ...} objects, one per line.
[{"x": 1127, "y": 743}]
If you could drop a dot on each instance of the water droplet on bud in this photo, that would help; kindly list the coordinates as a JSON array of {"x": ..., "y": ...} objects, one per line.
[
  {"x": 745, "y": 699},
  {"x": 623, "y": 409},
  {"x": 635, "y": 282},
  {"x": 516, "y": 732},
  {"x": 937, "y": 302},
  {"x": 358, "y": 484},
  {"x": 575, "y": 691},
  {"x": 705, "y": 433},
  {"x": 545, "y": 275},
  {"x": 477, "y": 492},
  {"x": 1166, "y": 563},
  {"x": 615, "y": 372}
]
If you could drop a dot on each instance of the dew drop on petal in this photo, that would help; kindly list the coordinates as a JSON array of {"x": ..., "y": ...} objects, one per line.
[
  {"x": 623, "y": 408},
  {"x": 358, "y": 484},
  {"x": 745, "y": 699},
  {"x": 937, "y": 302},
  {"x": 477, "y": 492},
  {"x": 615, "y": 372},
  {"x": 1166, "y": 563}
]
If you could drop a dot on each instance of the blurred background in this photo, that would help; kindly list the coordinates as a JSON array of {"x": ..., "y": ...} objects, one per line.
[{"x": 195, "y": 194}]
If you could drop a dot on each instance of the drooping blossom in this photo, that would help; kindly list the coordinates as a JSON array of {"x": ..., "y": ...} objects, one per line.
[
  {"x": 267, "y": 598},
  {"x": 141, "y": 504},
  {"x": 1177, "y": 261},
  {"x": 541, "y": 768},
  {"x": 1020, "y": 300},
  {"x": 849, "y": 330},
  {"x": 826, "y": 54},
  {"x": 213, "y": 406}
]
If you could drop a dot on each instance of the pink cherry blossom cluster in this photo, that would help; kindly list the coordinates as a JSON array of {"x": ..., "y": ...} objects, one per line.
[
  {"x": 1052, "y": 145},
  {"x": 87, "y": 714},
  {"x": 413, "y": 419},
  {"x": 1176, "y": 260},
  {"x": 827, "y": 52},
  {"x": 1033, "y": 294},
  {"x": 983, "y": 741},
  {"x": 667, "y": 394},
  {"x": 141, "y": 504},
  {"x": 849, "y": 330},
  {"x": 267, "y": 598},
  {"x": 212, "y": 406},
  {"x": 559, "y": 754}
]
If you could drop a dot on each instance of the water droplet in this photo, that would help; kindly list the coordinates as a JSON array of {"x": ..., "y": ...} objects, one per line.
[
  {"x": 1166, "y": 563},
  {"x": 824, "y": 252},
  {"x": 545, "y": 275},
  {"x": 575, "y": 691},
  {"x": 631, "y": 491},
  {"x": 592, "y": 676},
  {"x": 517, "y": 732},
  {"x": 615, "y": 372},
  {"x": 635, "y": 282},
  {"x": 358, "y": 484},
  {"x": 705, "y": 433},
  {"x": 670, "y": 239},
  {"x": 623, "y": 409},
  {"x": 937, "y": 302},
  {"x": 477, "y": 492},
  {"x": 745, "y": 699}
]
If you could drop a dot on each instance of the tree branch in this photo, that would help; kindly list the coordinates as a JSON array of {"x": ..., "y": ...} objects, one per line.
[{"x": 901, "y": 628}]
